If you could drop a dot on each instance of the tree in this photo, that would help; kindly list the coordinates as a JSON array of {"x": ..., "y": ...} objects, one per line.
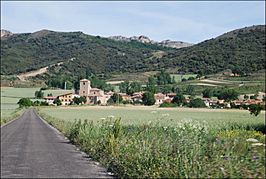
[
  {"x": 190, "y": 90},
  {"x": 24, "y": 102},
  {"x": 124, "y": 86},
  {"x": 178, "y": 99},
  {"x": 57, "y": 101},
  {"x": 116, "y": 98},
  {"x": 227, "y": 94},
  {"x": 151, "y": 85},
  {"x": 39, "y": 94},
  {"x": 255, "y": 109},
  {"x": 148, "y": 99},
  {"x": 133, "y": 87},
  {"x": 197, "y": 103},
  {"x": 207, "y": 93},
  {"x": 163, "y": 78}
]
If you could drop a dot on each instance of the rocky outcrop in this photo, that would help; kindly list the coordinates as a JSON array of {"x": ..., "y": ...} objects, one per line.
[
  {"x": 145, "y": 39},
  {"x": 5, "y": 33}
]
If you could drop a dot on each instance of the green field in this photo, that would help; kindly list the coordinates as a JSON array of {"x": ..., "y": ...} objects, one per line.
[
  {"x": 165, "y": 117},
  {"x": 10, "y": 96},
  {"x": 155, "y": 142},
  {"x": 178, "y": 78}
]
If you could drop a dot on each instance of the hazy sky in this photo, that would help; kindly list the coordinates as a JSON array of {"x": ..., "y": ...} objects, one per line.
[{"x": 185, "y": 21}]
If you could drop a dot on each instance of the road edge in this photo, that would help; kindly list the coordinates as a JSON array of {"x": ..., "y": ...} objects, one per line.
[
  {"x": 108, "y": 174},
  {"x": 12, "y": 120}
]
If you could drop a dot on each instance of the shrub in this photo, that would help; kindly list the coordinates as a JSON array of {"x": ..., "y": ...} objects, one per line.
[
  {"x": 255, "y": 109},
  {"x": 166, "y": 104},
  {"x": 57, "y": 101}
]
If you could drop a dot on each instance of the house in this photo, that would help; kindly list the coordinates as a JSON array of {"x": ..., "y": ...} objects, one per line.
[
  {"x": 125, "y": 97},
  {"x": 137, "y": 97},
  {"x": 49, "y": 99},
  {"x": 159, "y": 98},
  {"x": 170, "y": 96},
  {"x": 66, "y": 98}
]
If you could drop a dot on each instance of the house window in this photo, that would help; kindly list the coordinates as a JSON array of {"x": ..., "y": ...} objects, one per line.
[
  {"x": 83, "y": 83},
  {"x": 83, "y": 91}
]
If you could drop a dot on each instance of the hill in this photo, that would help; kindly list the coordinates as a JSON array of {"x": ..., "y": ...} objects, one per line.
[
  {"x": 242, "y": 50},
  {"x": 30, "y": 51}
]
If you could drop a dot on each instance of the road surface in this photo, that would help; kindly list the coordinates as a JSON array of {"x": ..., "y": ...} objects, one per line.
[{"x": 30, "y": 148}]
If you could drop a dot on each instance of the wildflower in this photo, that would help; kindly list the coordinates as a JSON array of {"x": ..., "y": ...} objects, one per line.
[
  {"x": 164, "y": 128},
  {"x": 254, "y": 157},
  {"x": 165, "y": 115},
  {"x": 222, "y": 169},
  {"x": 258, "y": 144},
  {"x": 252, "y": 140}
]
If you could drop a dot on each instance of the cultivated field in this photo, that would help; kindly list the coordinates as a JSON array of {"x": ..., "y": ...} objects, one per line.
[
  {"x": 138, "y": 115},
  {"x": 10, "y": 96},
  {"x": 159, "y": 142}
]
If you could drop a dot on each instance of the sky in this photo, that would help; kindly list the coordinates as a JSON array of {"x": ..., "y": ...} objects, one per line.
[{"x": 188, "y": 21}]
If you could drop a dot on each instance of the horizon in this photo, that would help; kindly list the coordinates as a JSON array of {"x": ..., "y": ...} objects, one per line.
[{"x": 191, "y": 22}]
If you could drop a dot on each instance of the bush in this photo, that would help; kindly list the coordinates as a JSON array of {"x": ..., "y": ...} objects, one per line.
[
  {"x": 166, "y": 105},
  {"x": 57, "y": 101},
  {"x": 255, "y": 109}
]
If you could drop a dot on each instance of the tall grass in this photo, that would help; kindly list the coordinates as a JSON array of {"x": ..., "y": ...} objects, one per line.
[{"x": 189, "y": 150}]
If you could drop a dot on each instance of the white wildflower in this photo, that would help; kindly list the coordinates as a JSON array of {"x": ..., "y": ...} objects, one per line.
[
  {"x": 252, "y": 140},
  {"x": 165, "y": 115},
  {"x": 258, "y": 144}
]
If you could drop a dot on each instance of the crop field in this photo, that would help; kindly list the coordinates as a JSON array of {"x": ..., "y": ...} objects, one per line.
[
  {"x": 162, "y": 116},
  {"x": 178, "y": 78},
  {"x": 10, "y": 96},
  {"x": 178, "y": 142}
]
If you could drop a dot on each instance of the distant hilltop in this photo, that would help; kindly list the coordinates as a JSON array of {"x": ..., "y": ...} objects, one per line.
[
  {"x": 145, "y": 39},
  {"x": 5, "y": 33}
]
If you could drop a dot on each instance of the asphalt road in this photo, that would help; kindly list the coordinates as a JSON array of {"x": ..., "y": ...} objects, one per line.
[{"x": 30, "y": 148}]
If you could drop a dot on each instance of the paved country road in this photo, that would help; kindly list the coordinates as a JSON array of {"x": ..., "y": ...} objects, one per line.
[{"x": 30, "y": 148}]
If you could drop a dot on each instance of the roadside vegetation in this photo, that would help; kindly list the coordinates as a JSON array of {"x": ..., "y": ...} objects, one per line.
[{"x": 189, "y": 149}]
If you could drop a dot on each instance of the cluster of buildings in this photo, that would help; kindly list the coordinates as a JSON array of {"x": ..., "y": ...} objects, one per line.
[{"x": 97, "y": 96}]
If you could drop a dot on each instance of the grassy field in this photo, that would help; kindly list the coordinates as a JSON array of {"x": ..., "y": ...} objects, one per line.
[
  {"x": 153, "y": 142},
  {"x": 165, "y": 117},
  {"x": 10, "y": 96},
  {"x": 178, "y": 78}
]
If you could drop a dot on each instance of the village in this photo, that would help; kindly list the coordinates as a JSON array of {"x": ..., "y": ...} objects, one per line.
[{"x": 95, "y": 96}]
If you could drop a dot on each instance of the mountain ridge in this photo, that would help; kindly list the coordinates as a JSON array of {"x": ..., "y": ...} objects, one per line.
[
  {"x": 242, "y": 49},
  {"x": 145, "y": 39}
]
